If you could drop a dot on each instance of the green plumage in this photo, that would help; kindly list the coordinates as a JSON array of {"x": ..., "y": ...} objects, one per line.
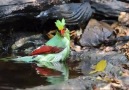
[{"x": 58, "y": 41}]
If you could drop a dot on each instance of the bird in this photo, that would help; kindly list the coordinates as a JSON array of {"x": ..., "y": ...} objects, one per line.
[
  {"x": 56, "y": 49},
  {"x": 73, "y": 13}
]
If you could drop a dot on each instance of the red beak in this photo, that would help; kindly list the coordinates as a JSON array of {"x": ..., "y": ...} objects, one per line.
[{"x": 62, "y": 32}]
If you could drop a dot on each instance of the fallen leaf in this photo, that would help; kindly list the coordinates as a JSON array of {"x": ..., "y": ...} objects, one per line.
[
  {"x": 51, "y": 34},
  {"x": 125, "y": 73},
  {"x": 105, "y": 78},
  {"x": 74, "y": 47},
  {"x": 77, "y": 48},
  {"x": 101, "y": 65},
  {"x": 76, "y": 34},
  {"x": 107, "y": 87}
]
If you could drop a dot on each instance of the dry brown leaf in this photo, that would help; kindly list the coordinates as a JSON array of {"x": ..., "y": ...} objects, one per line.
[
  {"x": 76, "y": 34},
  {"x": 116, "y": 85},
  {"x": 99, "y": 78},
  {"x": 108, "y": 49},
  {"x": 73, "y": 34},
  {"x": 50, "y": 34},
  {"x": 125, "y": 73},
  {"x": 127, "y": 32},
  {"x": 72, "y": 44},
  {"x": 107, "y": 87},
  {"x": 105, "y": 79},
  {"x": 124, "y": 18},
  {"x": 121, "y": 16},
  {"x": 77, "y": 48},
  {"x": 95, "y": 87},
  {"x": 119, "y": 29}
]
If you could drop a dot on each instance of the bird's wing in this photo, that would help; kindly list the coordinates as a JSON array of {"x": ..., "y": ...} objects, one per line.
[
  {"x": 44, "y": 49},
  {"x": 54, "y": 45}
]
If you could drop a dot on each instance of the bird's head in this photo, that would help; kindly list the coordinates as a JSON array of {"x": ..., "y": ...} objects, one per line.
[{"x": 61, "y": 26}]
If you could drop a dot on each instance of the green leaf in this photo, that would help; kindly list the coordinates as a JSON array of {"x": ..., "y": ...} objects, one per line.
[{"x": 101, "y": 65}]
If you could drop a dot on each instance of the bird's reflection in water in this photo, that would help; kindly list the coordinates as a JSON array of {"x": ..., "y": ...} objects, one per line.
[{"x": 55, "y": 72}]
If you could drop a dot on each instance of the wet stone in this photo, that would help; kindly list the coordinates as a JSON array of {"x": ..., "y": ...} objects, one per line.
[
  {"x": 95, "y": 33},
  {"x": 125, "y": 80},
  {"x": 25, "y": 44},
  {"x": 90, "y": 58}
]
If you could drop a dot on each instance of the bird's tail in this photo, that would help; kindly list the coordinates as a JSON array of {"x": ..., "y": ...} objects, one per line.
[{"x": 26, "y": 59}]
